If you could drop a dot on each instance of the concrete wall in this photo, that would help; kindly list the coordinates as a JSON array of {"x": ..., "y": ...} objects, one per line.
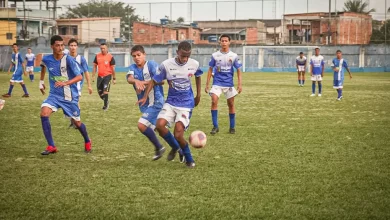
[
  {"x": 6, "y": 27},
  {"x": 371, "y": 58}
]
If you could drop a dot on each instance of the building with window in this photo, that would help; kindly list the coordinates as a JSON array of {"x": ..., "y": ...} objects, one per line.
[
  {"x": 88, "y": 30},
  {"x": 7, "y": 32}
]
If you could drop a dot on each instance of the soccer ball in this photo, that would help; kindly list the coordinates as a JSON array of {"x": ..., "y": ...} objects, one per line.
[
  {"x": 2, "y": 102},
  {"x": 198, "y": 139}
]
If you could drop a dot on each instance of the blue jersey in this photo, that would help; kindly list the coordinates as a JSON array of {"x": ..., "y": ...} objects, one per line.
[
  {"x": 62, "y": 70},
  {"x": 30, "y": 59},
  {"x": 224, "y": 63},
  {"x": 341, "y": 64},
  {"x": 179, "y": 79},
  {"x": 317, "y": 62},
  {"x": 17, "y": 62},
  {"x": 156, "y": 96}
]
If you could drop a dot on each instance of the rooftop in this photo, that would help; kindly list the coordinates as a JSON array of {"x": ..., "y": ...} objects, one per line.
[{"x": 88, "y": 19}]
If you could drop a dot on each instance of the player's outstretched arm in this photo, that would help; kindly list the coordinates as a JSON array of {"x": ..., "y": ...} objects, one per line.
[
  {"x": 239, "y": 75},
  {"x": 209, "y": 74},
  {"x": 87, "y": 76},
  {"x": 139, "y": 85}
]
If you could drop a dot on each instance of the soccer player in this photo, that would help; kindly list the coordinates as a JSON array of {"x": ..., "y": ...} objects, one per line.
[
  {"x": 317, "y": 67},
  {"x": 301, "y": 68},
  {"x": 222, "y": 64},
  {"x": 140, "y": 76},
  {"x": 64, "y": 73},
  {"x": 66, "y": 51},
  {"x": 105, "y": 63},
  {"x": 180, "y": 101},
  {"x": 338, "y": 65},
  {"x": 17, "y": 77},
  {"x": 30, "y": 58}
]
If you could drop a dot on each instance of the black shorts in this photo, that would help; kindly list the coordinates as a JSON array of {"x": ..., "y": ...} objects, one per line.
[{"x": 104, "y": 83}]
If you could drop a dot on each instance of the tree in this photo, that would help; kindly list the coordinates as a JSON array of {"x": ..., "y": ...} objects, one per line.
[
  {"x": 378, "y": 35},
  {"x": 105, "y": 8},
  {"x": 180, "y": 20},
  {"x": 357, "y": 6}
]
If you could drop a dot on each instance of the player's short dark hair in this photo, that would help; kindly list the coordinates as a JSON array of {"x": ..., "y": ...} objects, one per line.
[
  {"x": 338, "y": 51},
  {"x": 184, "y": 45},
  {"x": 137, "y": 48},
  {"x": 224, "y": 35},
  {"x": 300, "y": 52},
  {"x": 317, "y": 48},
  {"x": 14, "y": 44},
  {"x": 103, "y": 44},
  {"x": 55, "y": 38},
  {"x": 73, "y": 41},
  {"x": 29, "y": 48}
]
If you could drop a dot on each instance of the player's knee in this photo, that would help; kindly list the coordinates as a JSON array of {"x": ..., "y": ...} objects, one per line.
[
  {"x": 77, "y": 123},
  {"x": 178, "y": 134},
  {"x": 141, "y": 127},
  {"x": 160, "y": 125}
]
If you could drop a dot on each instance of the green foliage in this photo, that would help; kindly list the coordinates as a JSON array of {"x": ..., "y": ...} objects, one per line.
[
  {"x": 380, "y": 35},
  {"x": 293, "y": 156},
  {"x": 105, "y": 8},
  {"x": 357, "y": 6}
]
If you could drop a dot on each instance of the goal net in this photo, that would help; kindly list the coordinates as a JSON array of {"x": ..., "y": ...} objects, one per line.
[{"x": 273, "y": 58}]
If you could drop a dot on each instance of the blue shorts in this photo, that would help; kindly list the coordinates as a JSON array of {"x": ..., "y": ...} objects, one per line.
[
  {"x": 149, "y": 117},
  {"x": 70, "y": 108},
  {"x": 338, "y": 84},
  {"x": 17, "y": 76}
]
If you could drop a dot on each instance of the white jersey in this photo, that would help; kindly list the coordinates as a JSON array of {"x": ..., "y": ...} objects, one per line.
[{"x": 301, "y": 61}]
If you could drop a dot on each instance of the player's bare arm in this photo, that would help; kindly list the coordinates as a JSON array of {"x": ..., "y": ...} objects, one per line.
[
  {"x": 24, "y": 68},
  {"x": 311, "y": 69},
  {"x": 323, "y": 69},
  {"x": 42, "y": 82},
  {"x": 87, "y": 76},
  {"x": 94, "y": 72},
  {"x": 209, "y": 74},
  {"x": 349, "y": 72},
  {"x": 10, "y": 67},
  {"x": 239, "y": 76},
  {"x": 139, "y": 85},
  {"x": 113, "y": 74},
  {"x": 198, "y": 81},
  {"x": 148, "y": 89}
]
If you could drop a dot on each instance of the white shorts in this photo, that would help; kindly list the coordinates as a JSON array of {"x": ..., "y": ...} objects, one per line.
[
  {"x": 317, "y": 78},
  {"x": 29, "y": 69},
  {"x": 301, "y": 68},
  {"x": 229, "y": 92},
  {"x": 175, "y": 114}
]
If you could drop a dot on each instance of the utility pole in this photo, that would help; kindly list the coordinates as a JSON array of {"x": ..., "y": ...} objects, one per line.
[{"x": 329, "y": 22}]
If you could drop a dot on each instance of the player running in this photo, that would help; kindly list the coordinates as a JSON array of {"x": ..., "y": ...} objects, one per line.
[
  {"x": 177, "y": 109},
  {"x": 222, "y": 66},
  {"x": 140, "y": 76},
  {"x": 317, "y": 67},
  {"x": 64, "y": 73},
  {"x": 338, "y": 65},
  {"x": 301, "y": 61},
  {"x": 17, "y": 77},
  {"x": 30, "y": 58},
  {"x": 105, "y": 63}
]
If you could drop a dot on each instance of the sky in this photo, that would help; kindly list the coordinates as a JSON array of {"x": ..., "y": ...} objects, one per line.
[{"x": 230, "y": 9}]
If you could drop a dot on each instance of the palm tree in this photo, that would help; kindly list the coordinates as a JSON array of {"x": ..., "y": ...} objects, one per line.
[{"x": 357, "y": 6}]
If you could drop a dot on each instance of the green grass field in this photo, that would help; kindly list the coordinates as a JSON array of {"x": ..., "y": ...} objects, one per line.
[{"x": 293, "y": 157}]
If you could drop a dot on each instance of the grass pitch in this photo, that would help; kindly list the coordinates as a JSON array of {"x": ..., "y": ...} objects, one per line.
[{"x": 293, "y": 157}]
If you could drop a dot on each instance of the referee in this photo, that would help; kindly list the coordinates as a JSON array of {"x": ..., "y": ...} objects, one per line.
[{"x": 105, "y": 64}]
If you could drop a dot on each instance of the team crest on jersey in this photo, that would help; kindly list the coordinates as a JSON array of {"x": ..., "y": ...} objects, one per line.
[
  {"x": 184, "y": 116},
  {"x": 106, "y": 62}
]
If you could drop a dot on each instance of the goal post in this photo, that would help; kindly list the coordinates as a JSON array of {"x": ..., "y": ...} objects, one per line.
[{"x": 273, "y": 58}]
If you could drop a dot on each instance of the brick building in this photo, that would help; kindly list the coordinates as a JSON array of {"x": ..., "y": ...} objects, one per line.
[
  {"x": 346, "y": 28},
  {"x": 154, "y": 33}
]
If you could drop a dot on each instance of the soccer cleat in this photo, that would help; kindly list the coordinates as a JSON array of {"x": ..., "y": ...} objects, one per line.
[
  {"x": 49, "y": 150},
  {"x": 159, "y": 153},
  {"x": 172, "y": 155},
  {"x": 319, "y": 95},
  {"x": 6, "y": 95},
  {"x": 25, "y": 96},
  {"x": 88, "y": 147},
  {"x": 190, "y": 164},
  {"x": 313, "y": 95},
  {"x": 232, "y": 130},
  {"x": 181, "y": 157},
  {"x": 105, "y": 107},
  {"x": 214, "y": 130},
  {"x": 339, "y": 98}
]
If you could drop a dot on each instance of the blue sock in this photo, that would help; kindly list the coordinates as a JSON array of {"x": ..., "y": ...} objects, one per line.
[
  {"x": 24, "y": 89},
  {"x": 149, "y": 133},
  {"x": 341, "y": 92},
  {"x": 299, "y": 81},
  {"x": 11, "y": 87},
  {"x": 171, "y": 141},
  {"x": 319, "y": 88},
  {"x": 83, "y": 131},
  {"x": 313, "y": 88},
  {"x": 214, "y": 116},
  {"x": 47, "y": 130},
  {"x": 232, "y": 117},
  {"x": 187, "y": 153},
  {"x": 30, "y": 77},
  {"x": 303, "y": 82}
]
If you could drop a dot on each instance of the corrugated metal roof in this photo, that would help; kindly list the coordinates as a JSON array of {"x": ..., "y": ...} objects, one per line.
[{"x": 223, "y": 31}]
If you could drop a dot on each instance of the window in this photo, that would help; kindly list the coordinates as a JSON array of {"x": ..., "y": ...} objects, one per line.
[
  {"x": 242, "y": 37},
  {"x": 74, "y": 30},
  {"x": 9, "y": 36},
  {"x": 62, "y": 30}
]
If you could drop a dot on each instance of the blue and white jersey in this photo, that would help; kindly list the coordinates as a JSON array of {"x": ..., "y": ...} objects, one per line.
[
  {"x": 301, "y": 61},
  {"x": 224, "y": 62},
  {"x": 66, "y": 51},
  {"x": 83, "y": 65},
  {"x": 317, "y": 63},
  {"x": 341, "y": 64},
  {"x": 156, "y": 96},
  {"x": 30, "y": 57},
  {"x": 17, "y": 62},
  {"x": 179, "y": 79},
  {"x": 62, "y": 70}
]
